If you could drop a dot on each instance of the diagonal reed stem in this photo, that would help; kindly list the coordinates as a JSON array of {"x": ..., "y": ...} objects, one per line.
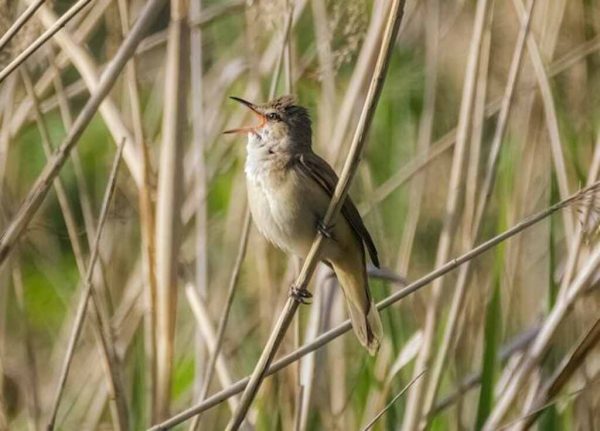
[
  {"x": 345, "y": 326},
  {"x": 43, "y": 38},
  {"x": 38, "y": 192},
  {"x": 212, "y": 359},
  {"x": 484, "y": 197},
  {"x": 19, "y": 23},
  {"x": 337, "y": 200},
  {"x": 85, "y": 297}
]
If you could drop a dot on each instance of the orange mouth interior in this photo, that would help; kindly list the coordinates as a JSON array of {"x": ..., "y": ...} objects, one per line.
[{"x": 249, "y": 129}]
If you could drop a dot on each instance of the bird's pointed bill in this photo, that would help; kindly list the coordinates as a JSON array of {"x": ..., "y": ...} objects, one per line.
[{"x": 254, "y": 109}]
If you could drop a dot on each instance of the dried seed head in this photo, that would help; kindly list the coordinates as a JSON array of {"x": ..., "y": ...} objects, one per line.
[
  {"x": 587, "y": 209},
  {"x": 348, "y": 22},
  {"x": 9, "y": 12}
]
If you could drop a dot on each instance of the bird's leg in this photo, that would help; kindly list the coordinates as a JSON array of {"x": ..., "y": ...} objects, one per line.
[
  {"x": 326, "y": 231},
  {"x": 300, "y": 294}
]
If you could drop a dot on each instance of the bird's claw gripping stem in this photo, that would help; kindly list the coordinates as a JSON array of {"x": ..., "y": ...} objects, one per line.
[
  {"x": 300, "y": 294},
  {"x": 326, "y": 231}
]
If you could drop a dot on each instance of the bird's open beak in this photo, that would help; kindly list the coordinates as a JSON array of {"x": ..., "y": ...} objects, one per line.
[{"x": 254, "y": 109}]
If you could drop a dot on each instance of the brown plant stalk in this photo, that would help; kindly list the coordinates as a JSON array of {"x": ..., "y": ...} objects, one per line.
[
  {"x": 43, "y": 38},
  {"x": 343, "y": 185},
  {"x": 345, "y": 326},
  {"x": 103, "y": 329},
  {"x": 38, "y": 192}
]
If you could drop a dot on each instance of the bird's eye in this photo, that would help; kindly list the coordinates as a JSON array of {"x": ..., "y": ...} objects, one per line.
[{"x": 273, "y": 116}]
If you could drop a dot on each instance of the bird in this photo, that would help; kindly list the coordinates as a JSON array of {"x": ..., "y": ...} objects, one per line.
[{"x": 289, "y": 191}]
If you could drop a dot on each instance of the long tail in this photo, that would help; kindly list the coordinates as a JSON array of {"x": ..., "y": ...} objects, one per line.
[{"x": 363, "y": 314}]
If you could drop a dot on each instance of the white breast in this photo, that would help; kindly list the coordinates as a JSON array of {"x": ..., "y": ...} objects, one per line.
[{"x": 277, "y": 205}]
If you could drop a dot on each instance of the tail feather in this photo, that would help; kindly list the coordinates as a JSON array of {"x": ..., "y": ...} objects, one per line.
[{"x": 363, "y": 313}]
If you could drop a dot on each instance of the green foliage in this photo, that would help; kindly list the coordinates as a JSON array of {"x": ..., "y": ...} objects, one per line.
[
  {"x": 52, "y": 283},
  {"x": 491, "y": 339}
]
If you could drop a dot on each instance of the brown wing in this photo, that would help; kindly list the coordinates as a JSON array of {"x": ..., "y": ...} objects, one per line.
[{"x": 318, "y": 169}]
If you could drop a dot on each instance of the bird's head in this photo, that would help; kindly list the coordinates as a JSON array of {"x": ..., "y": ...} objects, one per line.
[{"x": 282, "y": 124}]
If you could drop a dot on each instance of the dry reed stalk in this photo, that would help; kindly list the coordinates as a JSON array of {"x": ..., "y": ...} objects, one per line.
[
  {"x": 212, "y": 359},
  {"x": 95, "y": 409},
  {"x": 472, "y": 229},
  {"x": 574, "y": 56},
  {"x": 132, "y": 300},
  {"x": 80, "y": 36},
  {"x": 540, "y": 345},
  {"x": 201, "y": 314},
  {"x": 214, "y": 124},
  {"x": 51, "y": 170},
  {"x": 201, "y": 183},
  {"x": 67, "y": 212},
  {"x": 571, "y": 396},
  {"x": 258, "y": 67},
  {"x": 125, "y": 320},
  {"x": 558, "y": 158},
  {"x": 19, "y": 23},
  {"x": 37, "y": 194},
  {"x": 87, "y": 23},
  {"x": 386, "y": 370},
  {"x": 103, "y": 330},
  {"x": 281, "y": 55},
  {"x": 371, "y": 424},
  {"x": 566, "y": 292},
  {"x": 3, "y": 378},
  {"x": 513, "y": 347},
  {"x": 43, "y": 38},
  {"x": 84, "y": 394},
  {"x": 337, "y": 368},
  {"x": 245, "y": 229},
  {"x": 32, "y": 378},
  {"x": 358, "y": 82},
  {"x": 8, "y": 96},
  {"x": 337, "y": 200},
  {"x": 378, "y": 225},
  {"x": 99, "y": 279},
  {"x": 425, "y": 132},
  {"x": 308, "y": 365},
  {"x": 71, "y": 91},
  {"x": 422, "y": 160},
  {"x": 288, "y": 63},
  {"x": 415, "y": 401},
  {"x": 209, "y": 16},
  {"x": 535, "y": 164},
  {"x": 344, "y": 327},
  {"x": 89, "y": 72},
  {"x": 561, "y": 376},
  {"x": 576, "y": 239},
  {"x": 88, "y": 399},
  {"x": 573, "y": 256},
  {"x": 551, "y": 25},
  {"x": 59, "y": 188},
  {"x": 82, "y": 186},
  {"x": 298, "y": 407},
  {"x": 216, "y": 11},
  {"x": 323, "y": 38},
  {"x": 168, "y": 201},
  {"x": 147, "y": 217},
  {"x": 473, "y": 165}
]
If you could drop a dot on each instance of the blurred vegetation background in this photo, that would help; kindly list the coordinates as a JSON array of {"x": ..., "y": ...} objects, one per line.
[{"x": 496, "y": 340}]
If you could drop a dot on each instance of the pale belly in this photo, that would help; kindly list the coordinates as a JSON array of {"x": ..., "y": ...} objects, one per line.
[{"x": 286, "y": 211}]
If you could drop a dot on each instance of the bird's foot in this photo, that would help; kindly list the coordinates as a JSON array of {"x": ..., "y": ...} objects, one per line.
[
  {"x": 300, "y": 294},
  {"x": 326, "y": 231}
]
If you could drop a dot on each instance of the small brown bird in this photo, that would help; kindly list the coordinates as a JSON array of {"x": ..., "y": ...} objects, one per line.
[{"x": 289, "y": 191}]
